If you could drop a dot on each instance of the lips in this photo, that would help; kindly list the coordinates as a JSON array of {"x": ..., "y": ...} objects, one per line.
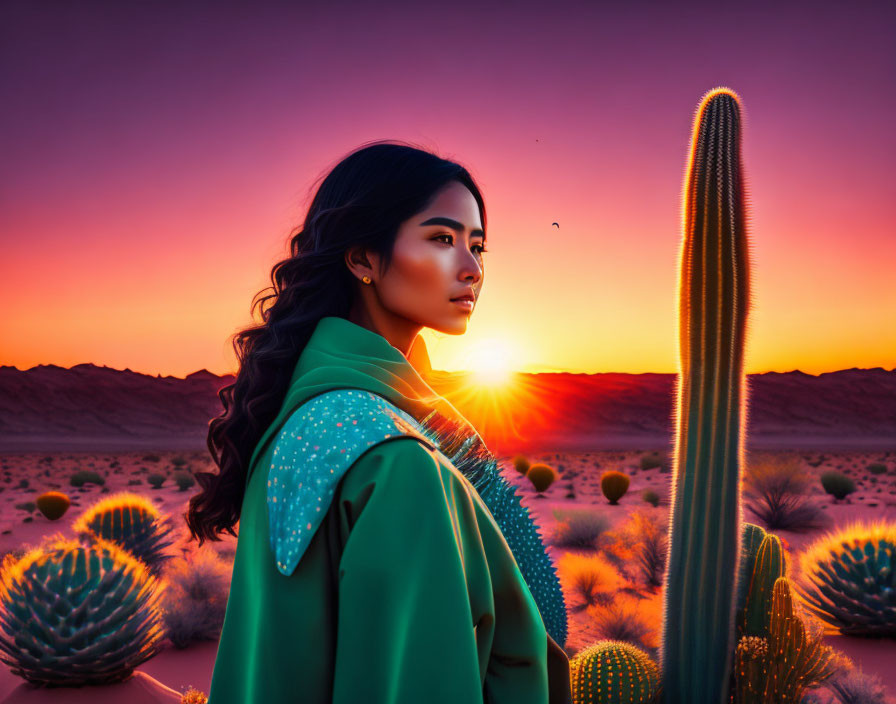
[{"x": 465, "y": 297}]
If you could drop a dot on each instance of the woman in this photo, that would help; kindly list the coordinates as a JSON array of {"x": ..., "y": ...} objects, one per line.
[{"x": 368, "y": 568}]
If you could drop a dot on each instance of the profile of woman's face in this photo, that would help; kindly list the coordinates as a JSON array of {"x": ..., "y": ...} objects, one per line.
[{"x": 437, "y": 258}]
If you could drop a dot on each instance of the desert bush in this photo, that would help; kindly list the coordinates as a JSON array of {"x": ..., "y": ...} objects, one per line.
[
  {"x": 653, "y": 460},
  {"x": 590, "y": 577},
  {"x": 53, "y": 504},
  {"x": 86, "y": 476},
  {"x": 134, "y": 482},
  {"x": 156, "y": 480},
  {"x": 541, "y": 476},
  {"x": 578, "y": 528},
  {"x": 196, "y": 598},
  {"x": 622, "y": 619},
  {"x": 837, "y": 484},
  {"x": 183, "y": 479},
  {"x": 178, "y": 461},
  {"x": 877, "y": 468},
  {"x": 776, "y": 490},
  {"x": 28, "y": 506},
  {"x": 151, "y": 458},
  {"x": 614, "y": 485},
  {"x": 651, "y": 497},
  {"x": 521, "y": 464},
  {"x": 854, "y": 686}
]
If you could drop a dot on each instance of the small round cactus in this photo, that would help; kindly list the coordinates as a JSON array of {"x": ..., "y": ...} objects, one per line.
[
  {"x": 611, "y": 671},
  {"x": 78, "y": 615},
  {"x": 53, "y": 504},
  {"x": 541, "y": 476},
  {"x": 521, "y": 464},
  {"x": 614, "y": 485}
]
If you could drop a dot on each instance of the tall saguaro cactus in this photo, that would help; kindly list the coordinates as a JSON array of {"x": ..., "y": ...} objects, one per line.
[{"x": 698, "y": 635}]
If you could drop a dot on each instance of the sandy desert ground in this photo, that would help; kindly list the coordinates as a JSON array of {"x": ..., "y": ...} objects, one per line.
[{"x": 24, "y": 476}]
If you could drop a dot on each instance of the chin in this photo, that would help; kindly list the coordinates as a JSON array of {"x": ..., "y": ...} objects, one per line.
[{"x": 452, "y": 327}]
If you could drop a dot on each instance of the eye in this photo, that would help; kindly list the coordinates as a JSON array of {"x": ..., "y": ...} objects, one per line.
[{"x": 480, "y": 248}]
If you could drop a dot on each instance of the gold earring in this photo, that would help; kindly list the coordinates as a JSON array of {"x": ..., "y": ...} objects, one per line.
[{"x": 365, "y": 279}]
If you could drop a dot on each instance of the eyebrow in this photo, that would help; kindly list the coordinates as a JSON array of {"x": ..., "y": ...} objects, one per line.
[{"x": 453, "y": 224}]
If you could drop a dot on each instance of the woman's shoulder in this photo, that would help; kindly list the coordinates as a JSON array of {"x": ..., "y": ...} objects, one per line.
[{"x": 317, "y": 445}]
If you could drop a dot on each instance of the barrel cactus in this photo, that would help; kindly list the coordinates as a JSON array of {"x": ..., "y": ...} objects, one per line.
[
  {"x": 133, "y": 523},
  {"x": 698, "y": 637},
  {"x": 53, "y": 504},
  {"x": 848, "y": 579},
  {"x": 612, "y": 672},
  {"x": 76, "y": 615}
]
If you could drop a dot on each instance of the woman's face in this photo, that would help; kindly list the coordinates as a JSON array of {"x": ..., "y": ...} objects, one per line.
[{"x": 437, "y": 257}]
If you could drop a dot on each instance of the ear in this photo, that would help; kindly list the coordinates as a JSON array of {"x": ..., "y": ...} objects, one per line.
[{"x": 358, "y": 260}]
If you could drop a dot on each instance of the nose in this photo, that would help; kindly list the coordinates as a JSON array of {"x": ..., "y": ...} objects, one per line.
[{"x": 471, "y": 267}]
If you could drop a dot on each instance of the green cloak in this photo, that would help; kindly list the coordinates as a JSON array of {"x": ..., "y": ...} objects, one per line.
[{"x": 406, "y": 591}]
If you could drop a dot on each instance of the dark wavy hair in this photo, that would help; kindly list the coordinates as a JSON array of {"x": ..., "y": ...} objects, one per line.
[{"x": 362, "y": 201}]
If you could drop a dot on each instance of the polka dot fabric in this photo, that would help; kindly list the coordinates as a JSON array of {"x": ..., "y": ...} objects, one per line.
[{"x": 315, "y": 448}]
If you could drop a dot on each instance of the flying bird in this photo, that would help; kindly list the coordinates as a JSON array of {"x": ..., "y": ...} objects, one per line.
[{"x": 557, "y": 224}]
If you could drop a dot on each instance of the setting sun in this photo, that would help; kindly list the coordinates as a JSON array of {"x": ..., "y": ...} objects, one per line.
[{"x": 490, "y": 362}]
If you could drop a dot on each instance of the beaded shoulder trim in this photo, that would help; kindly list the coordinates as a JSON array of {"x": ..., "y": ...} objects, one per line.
[{"x": 316, "y": 446}]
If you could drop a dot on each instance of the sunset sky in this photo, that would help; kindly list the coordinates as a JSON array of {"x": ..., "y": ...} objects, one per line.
[{"x": 154, "y": 161}]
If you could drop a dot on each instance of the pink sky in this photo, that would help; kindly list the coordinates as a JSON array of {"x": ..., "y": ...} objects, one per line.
[{"x": 153, "y": 163}]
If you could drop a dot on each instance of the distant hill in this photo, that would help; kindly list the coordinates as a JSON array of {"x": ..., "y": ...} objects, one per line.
[{"x": 93, "y": 408}]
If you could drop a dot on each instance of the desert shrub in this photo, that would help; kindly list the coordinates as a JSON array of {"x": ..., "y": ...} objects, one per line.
[
  {"x": 642, "y": 543},
  {"x": 28, "y": 506},
  {"x": 196, "y": 598},
  {"x": 156, "y": 480},
  {"x": 541, "y": 476},
  {"x": 183, "y": 479},
  {"x": 86, "y": 476},
  {"x": 837, "y": 484},
  {"x": 776, "y": 490},
  {"x": 134, "y": 482},
  {"x": 591, "y": 578},
  {"x": 178, "y": 461},
  {"x": 521, "y": 464},
  {"x": 621, "y": 619},
  {"x": 578, "y": 528},
  {"x": 651, "y": 497},
  {"x": 53, "y": 504},
  {"x": 854, "y": 686},
  {"x": 653, "y": 460},
  {"x": 151, "y": 458},
  {"x": 614, "y": 485},
  {"x": 23, "y": 484},
  {"x": 877, "y": 468}
]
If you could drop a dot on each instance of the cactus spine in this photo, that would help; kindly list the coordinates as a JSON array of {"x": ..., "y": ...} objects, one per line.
[{"x": 698, "y": 636}]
